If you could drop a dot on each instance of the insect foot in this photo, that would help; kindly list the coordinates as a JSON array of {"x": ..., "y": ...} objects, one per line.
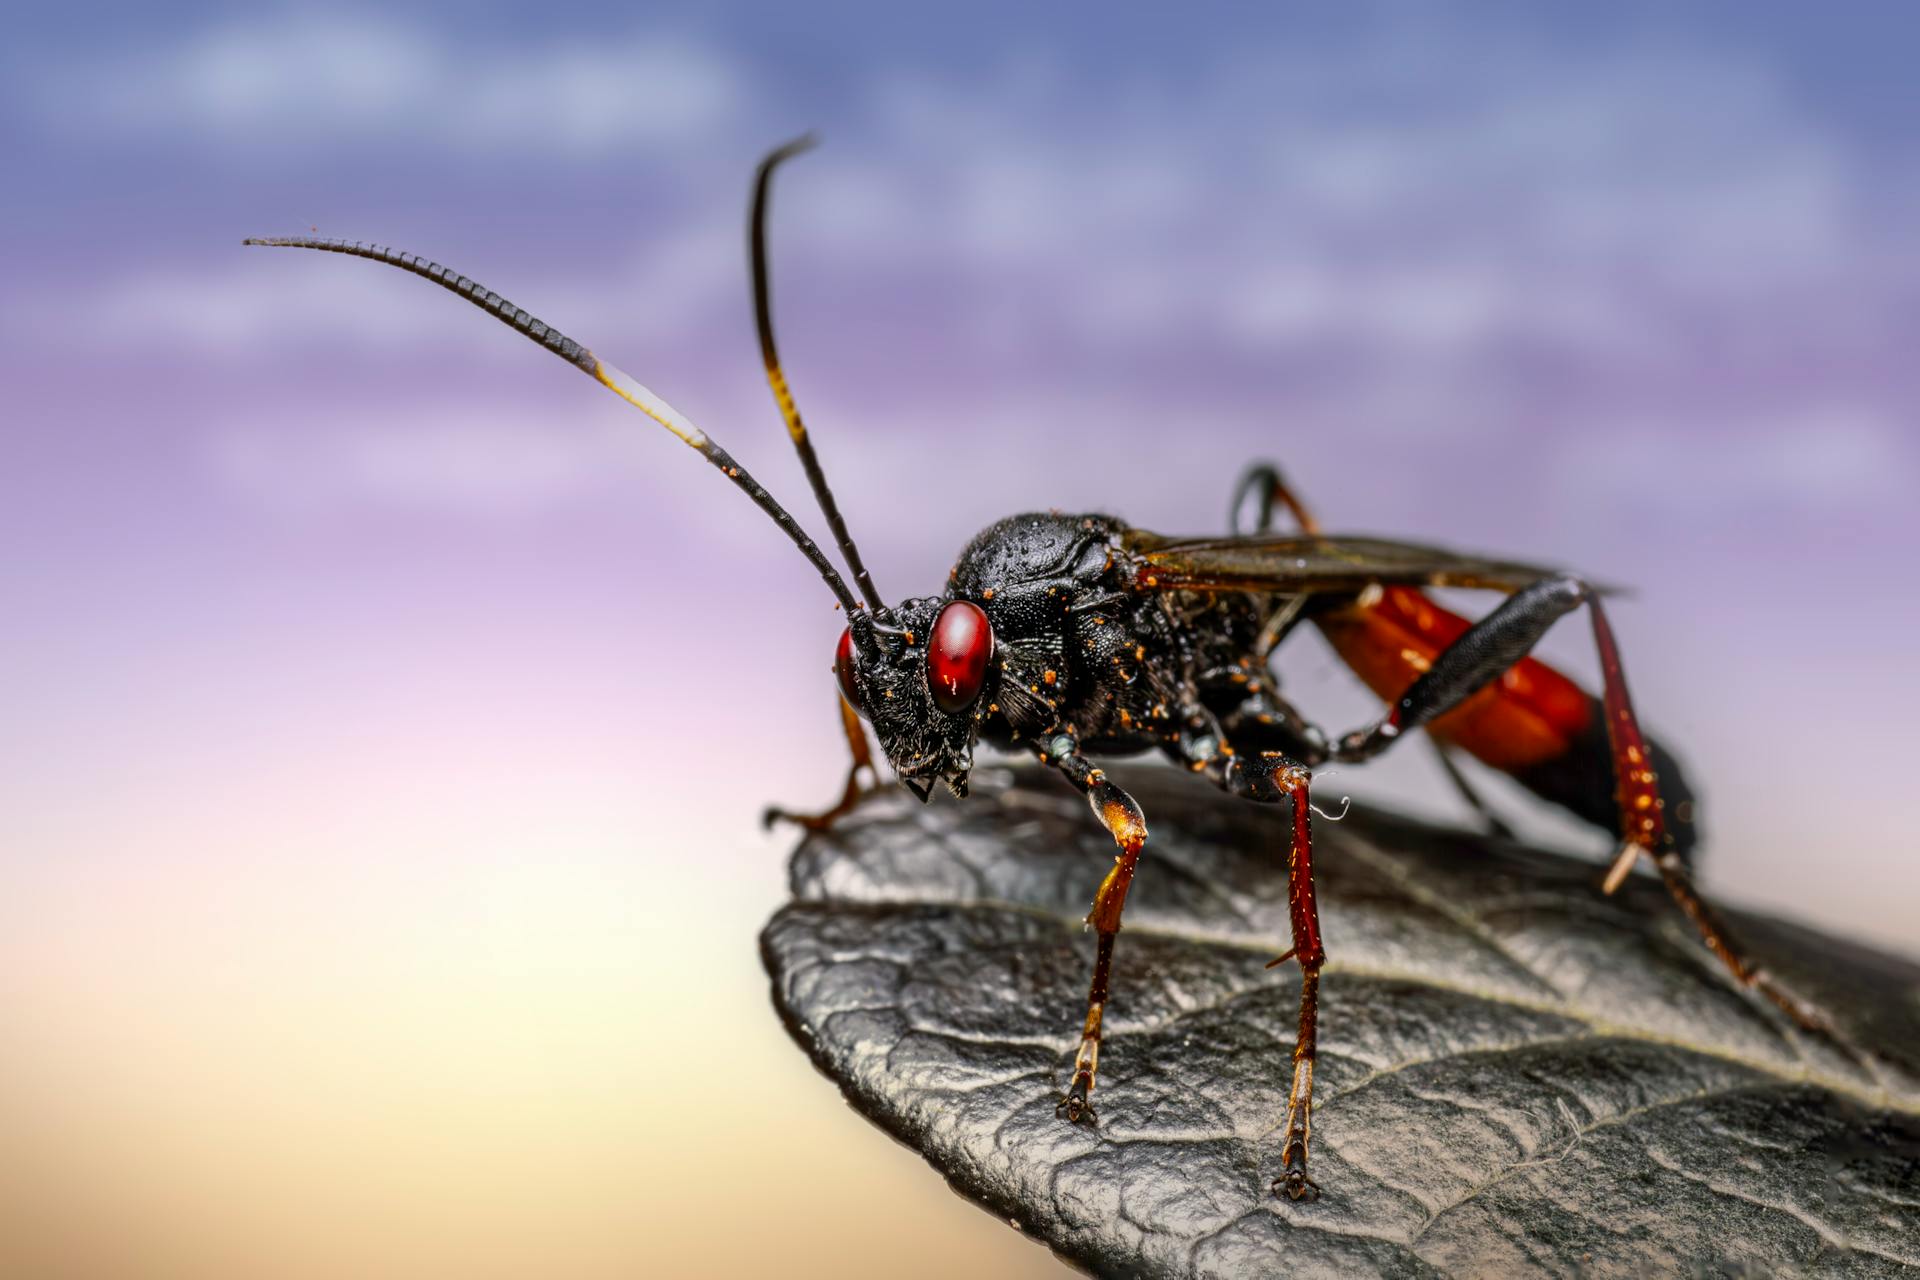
[
  {"x": 817, "y": 823},
  {"x": 884, "y": 888},
  {"x": 1294, "y": 1182},
  {"x": 1074, "y": 1108}
]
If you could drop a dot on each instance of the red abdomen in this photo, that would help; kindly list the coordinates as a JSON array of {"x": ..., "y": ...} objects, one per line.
[{"x": 1530, "y": 715}]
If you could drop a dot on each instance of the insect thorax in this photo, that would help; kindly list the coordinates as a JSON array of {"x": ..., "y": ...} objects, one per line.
[{"x": 1080, "y": 646}]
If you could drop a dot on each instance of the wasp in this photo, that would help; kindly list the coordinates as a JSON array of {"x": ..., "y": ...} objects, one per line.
[{"x": 1076, "y": 638}]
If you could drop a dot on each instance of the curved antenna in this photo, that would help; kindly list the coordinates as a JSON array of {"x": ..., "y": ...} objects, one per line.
[
  {"x": 609, "y": 377},
  {"x": 763, "y": 319}
]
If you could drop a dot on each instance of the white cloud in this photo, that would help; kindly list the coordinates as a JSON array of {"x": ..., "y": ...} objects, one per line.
[
  {"x": 491, "y": 464},
  {"x": 1821, "y": 458},
  {"x": 1421, "y": 213},
  {"x": 251, "y": 305},
  {"x": 1610, "y": 207},
  {"x": 367, "y": 80},
  {"x": 1607, "y": 205},
  {"x": 274, "y": 301}
]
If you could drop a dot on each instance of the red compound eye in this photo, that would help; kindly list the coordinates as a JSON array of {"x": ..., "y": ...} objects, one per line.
[
  {"x": 843, "y": 668},
  {"x": 957, "y": 655}
]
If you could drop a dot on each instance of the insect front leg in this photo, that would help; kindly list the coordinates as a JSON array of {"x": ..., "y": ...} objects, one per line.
[
  {"x": 1121, "y": 816},
  {"x": 853, "y": 793},
  {"x": 1495, "y": 643}
]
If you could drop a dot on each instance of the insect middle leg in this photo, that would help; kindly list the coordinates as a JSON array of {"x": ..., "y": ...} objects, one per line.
[
  {"x": 1249, "y": 756},
  {"x": 851, "y": 795},
  {"x": 1268, "y": 488},
  {"x": 1449, "y": 765},
  {"x": 1272, "y": 777},
  {"x": 1495, "y": 643}
]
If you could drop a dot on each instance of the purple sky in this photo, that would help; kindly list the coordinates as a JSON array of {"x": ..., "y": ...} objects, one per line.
[{"x": 338, "y": 617}]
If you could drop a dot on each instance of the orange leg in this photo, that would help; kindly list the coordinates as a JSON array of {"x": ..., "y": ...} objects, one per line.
[
  {"x": 1121, "y": 816},
  {"x": 851, "y": 795}
]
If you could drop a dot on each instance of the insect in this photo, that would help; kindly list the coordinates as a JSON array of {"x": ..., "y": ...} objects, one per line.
[{"x": 1078, "y": 637}]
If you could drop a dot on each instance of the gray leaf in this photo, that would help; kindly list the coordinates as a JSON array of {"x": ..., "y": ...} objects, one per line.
[{"x": 1515, "y": 1074}]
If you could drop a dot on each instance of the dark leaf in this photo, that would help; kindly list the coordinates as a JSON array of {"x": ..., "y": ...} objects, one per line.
[{"x": 1516, "y": 1073}]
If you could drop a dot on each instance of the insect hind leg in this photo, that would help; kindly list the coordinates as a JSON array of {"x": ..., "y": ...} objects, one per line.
[{"x": 1495, "y": 643}]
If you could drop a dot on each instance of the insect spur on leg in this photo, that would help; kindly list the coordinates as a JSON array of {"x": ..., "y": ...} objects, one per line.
[{"x": 1078, "y": 637}]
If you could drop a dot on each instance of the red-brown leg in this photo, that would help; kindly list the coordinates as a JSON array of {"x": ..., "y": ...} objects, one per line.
[
  {"x": 1272, "y": 778},
  {"x": 1642, "y": 819},
  {"x": 852, "y": 794},
  {"x": 1495, "y": 643}
]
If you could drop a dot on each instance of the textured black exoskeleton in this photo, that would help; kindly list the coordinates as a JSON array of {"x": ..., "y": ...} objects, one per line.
[{"x": 1076, "y": 637}]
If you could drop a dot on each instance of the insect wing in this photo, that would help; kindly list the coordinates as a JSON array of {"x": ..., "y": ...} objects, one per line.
[{"x": 1309, "y": 563}]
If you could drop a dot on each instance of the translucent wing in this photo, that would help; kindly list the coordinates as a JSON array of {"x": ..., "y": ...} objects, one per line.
[{"x": 1311, "y": 563}]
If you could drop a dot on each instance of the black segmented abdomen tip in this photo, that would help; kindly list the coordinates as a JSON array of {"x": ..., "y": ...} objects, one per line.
[{"x": 478, "y": 294}]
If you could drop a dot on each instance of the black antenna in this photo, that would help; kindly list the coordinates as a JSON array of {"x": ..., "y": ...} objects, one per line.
[
  {"x": 763, "y": 318},
  {"x": 608, "y": 376}
]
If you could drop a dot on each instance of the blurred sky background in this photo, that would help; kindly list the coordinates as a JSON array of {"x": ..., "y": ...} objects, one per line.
[{"x": 385, "y": 710}]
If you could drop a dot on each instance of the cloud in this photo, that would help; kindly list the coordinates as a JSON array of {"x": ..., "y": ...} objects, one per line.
[
  {"x": 249, "y": 306},
  {"x": 1450, "y": 232},
  {"x": 1603, "y": 203},
  {"x": 363, "y": 80},
  {"x": 1398, "y": 202},
  {"x": 488, "y": 464},
  {"x": 273, "y": 301},
  {"x": 1815, "y": 458}
]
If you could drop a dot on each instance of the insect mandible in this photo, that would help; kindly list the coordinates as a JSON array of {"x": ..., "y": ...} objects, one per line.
[{"x": 1077, "y": 637}]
